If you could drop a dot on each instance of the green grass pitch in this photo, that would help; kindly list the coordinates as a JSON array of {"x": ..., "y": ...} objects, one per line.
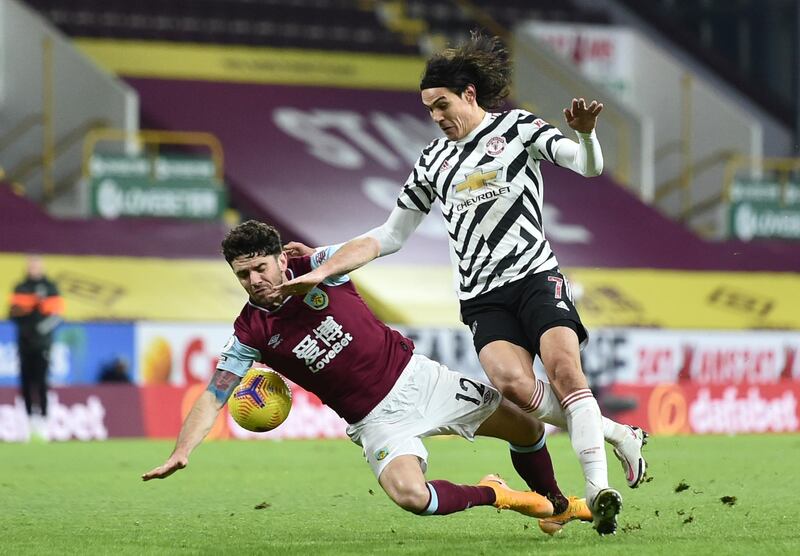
[{"x": 319, "y": 497}]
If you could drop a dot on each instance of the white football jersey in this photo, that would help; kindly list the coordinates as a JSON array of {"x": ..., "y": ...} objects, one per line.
[{"x": 490, "y": 190}]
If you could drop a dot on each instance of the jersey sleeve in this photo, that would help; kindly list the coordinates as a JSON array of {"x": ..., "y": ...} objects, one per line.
[
  {"x": 538, "y": 136},
  {"x": 237, "y": 357},
  {"x": 418, "y": 192},
  {"x": 322, "y": 255},
  {"x": 53, "y": 304}
]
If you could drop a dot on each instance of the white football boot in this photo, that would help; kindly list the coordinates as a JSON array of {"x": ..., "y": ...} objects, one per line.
[{"x": 629, "y": 453}]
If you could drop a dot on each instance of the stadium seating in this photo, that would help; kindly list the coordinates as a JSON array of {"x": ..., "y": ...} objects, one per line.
[
  {"x": 317, "y": 24},
  {"x": 444, "y": 16}
]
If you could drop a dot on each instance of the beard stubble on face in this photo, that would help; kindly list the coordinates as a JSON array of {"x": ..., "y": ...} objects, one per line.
[{"x": 265, "y": 298}]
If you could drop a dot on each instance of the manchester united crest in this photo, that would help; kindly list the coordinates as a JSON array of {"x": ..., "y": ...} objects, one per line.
[{"x": 495, "y": 146}]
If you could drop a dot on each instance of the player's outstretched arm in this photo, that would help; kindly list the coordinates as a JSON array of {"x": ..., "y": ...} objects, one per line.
[
  {"x": 297, "y": 249},
  {"x": 350, "y": 256},
  {"x": 383, "y": 240},
  {"x": 584, "y": 157},
  {"x": 197, "y": 424}
]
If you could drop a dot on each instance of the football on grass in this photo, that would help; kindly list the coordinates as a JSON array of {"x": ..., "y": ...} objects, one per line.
[{"x": 261, "y": 402}]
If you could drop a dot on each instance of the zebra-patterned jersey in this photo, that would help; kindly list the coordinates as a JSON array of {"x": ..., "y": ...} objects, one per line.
[{"x": 490, "y": 191}]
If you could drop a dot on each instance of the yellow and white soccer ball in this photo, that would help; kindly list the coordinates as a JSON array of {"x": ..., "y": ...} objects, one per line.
[{"x": 262, "y": 400}]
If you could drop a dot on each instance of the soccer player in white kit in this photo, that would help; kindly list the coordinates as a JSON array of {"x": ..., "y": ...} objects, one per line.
[{"x": 485, "y": 174}]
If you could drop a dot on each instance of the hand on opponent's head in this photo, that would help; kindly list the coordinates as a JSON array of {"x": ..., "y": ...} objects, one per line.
[{"x": 297, "y": 249}]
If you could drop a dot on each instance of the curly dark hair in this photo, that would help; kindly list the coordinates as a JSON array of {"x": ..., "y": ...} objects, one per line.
[
  {"x": 482, "y": 61},
  {"x": 251, "y": 239}
]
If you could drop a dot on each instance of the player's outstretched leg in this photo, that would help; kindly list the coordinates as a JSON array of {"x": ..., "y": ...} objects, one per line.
[
  {"x": 404, "y": 482},
  {"x": 627, "y": 441},
  {"x": 527, "y": 503},
  {"x": 561, "y": 359},
  {"x": 529, "y": 454},
  {"x": 533, "y": 464}
]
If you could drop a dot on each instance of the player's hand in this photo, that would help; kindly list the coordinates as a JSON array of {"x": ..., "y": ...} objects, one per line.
[
  {"x": 173, "y": 464},
  {"x": 300, "y": 285},
  {"x": 581, "y": 117},
  {"x": 297, "y": 249}
]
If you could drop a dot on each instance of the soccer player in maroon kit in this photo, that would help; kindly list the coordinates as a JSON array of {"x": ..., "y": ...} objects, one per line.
[
  {"x": 330, "y": 343},
  {"x": 485, "y": 173}
]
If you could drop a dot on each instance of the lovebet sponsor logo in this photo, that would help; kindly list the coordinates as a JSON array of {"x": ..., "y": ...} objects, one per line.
[
  {"x": 114, "y": 198},
  {"x": 765, "y": 210},
  {"x": 752, "y": 221}
]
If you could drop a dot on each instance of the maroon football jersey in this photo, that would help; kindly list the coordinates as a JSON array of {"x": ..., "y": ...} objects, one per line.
[{"x": 330, "y": 343}]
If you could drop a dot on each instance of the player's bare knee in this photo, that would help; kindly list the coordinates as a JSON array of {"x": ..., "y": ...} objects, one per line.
[
  {"x": 412, "y": 497},
  {"x": 504, "y": 374},
  {"x": 512, "y": 382},
  {"x": 520, "y": 391},
  {"x": 565, "y": 373}
]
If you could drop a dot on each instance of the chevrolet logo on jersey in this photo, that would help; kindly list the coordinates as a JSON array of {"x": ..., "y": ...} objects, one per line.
[
  {"x": 476, "y": 180},
  {"x": 481, "y": 178}
]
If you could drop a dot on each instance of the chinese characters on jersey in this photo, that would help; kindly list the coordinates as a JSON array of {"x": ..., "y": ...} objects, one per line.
[{"x": 322, "y": 345}]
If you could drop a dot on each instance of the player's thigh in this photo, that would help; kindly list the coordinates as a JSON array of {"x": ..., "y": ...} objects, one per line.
[
  {"x": 492, "y": 317},
  {"x": 500, "y": 340},
  {"x": 404, "y": 482},
  {"x": 513, "y": 425},
  {"x": 510, "y": 368},
  {"x": 546, "y": 302},
  {"x": 560, "y": 353},
  {"x": 449, "y": 402},
  {"x": 389, "y": 436}
]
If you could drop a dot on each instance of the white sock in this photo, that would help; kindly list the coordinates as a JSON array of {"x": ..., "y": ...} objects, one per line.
[
  {"x": 613, "y": 432},
  {"x": 544, "y": 405},
  {"x": 585, "y": 429}
]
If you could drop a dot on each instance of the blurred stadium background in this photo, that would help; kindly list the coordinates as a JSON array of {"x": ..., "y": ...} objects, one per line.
[{"x": 133, "y": 134}]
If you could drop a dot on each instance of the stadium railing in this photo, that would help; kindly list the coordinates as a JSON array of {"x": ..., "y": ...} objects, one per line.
[{"x": 153, "y": 138}]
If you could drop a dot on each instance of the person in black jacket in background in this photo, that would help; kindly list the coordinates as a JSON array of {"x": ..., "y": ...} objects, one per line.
[{"x": 36, "y": 309}]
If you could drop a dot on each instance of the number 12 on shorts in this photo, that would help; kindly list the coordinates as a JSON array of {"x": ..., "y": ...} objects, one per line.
[{"x": 465, "y": 383}]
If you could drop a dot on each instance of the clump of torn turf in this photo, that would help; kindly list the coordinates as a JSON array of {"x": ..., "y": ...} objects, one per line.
[{"x": 681, "y": 486}]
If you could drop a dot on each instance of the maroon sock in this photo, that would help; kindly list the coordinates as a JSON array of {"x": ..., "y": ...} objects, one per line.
[
  {"x": 536, "y": 469},
  {"x": 448, "y": 498}
]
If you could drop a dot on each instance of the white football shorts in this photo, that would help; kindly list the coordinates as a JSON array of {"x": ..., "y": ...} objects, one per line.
[{"x": 428, "y": 399}]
